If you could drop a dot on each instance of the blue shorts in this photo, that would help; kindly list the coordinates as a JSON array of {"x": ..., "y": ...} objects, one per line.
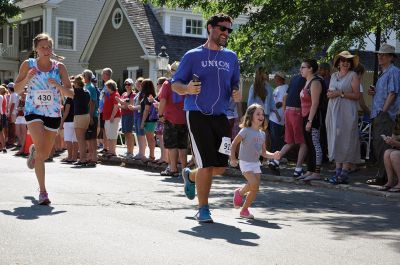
[
  {"x": 138, "y": 121},
  {"x": 127, "y": 123}
]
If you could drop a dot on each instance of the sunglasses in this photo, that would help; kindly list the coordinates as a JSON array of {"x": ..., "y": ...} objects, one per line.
[
  {"x": 343, "y": 60},
  {"x": 223, "y": 28},
  {"x": 128, "y": 84}
]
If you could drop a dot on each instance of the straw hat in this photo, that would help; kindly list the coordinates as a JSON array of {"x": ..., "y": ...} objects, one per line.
[
  {"x": 386, "y": 48},
  {"x": 281, "y": 75},
  {"x": 347, "y": 55}
]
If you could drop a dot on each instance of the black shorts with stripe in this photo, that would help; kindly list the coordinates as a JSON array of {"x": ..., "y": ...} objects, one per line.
[{"x": 206, "y": 133}]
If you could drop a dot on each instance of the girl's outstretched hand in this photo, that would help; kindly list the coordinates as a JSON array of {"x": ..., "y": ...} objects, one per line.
[{"x": 277, "y": 155}]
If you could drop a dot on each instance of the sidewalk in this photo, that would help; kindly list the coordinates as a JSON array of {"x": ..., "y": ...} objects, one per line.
[{"x": 357, "y": 179}]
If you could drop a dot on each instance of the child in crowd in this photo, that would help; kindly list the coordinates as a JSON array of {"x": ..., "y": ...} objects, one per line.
[{"x": 252, "y": 145}]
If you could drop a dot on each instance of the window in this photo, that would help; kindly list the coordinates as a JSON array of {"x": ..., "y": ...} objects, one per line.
[
  {"x": 132, "y": 70},
  {"x": 194, "y": 27},
  {"x": 27, "y": 31},
  {"x": 99, "y": 79},
  {"x": 10, "y": 36},
  {"x": 117, "y": 18},
  {"x": 26, "y": 36},
  {"x": 1, "y": 35},
  {"x": 65, "y": 34}
]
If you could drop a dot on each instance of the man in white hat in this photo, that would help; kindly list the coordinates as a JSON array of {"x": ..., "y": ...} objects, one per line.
[
  {"x": 385, "y": 106},
  {"x": 276, "y": 118}
]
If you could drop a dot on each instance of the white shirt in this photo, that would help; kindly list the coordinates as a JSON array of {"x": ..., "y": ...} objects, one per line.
[
  {"x": 278, "y": 94},
  {"x": 13, "y": 99}
]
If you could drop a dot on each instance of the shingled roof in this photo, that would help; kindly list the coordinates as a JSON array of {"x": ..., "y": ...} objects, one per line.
[{"x": 152, "y": 34}]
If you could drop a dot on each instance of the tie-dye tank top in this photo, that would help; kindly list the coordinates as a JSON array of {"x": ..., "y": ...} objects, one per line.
[{"x": 39, "y": 88}]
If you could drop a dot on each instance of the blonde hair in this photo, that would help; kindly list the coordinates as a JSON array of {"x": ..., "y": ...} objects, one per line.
[
  {"x": 78, "y": 81},
  {"x": 3, "y": 90},
  {"x": 44, "y": 36},
  {"x": 248, "y": 117},
  {"x": 112, "y": 85}
]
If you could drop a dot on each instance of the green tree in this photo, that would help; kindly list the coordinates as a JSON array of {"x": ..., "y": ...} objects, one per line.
[
  {"x": 282, "y": 32},
  {"x": 8, "y": 9}
]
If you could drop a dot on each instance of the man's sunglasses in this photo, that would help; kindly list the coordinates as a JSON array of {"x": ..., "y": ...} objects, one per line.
[{"x": 223, "y": 28}]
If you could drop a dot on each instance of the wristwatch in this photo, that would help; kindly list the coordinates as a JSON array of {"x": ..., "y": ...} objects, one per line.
[{"x": 342, "y": 95}]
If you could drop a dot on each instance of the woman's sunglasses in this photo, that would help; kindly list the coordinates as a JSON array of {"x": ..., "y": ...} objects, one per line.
[{"x": 343, "y": 60}]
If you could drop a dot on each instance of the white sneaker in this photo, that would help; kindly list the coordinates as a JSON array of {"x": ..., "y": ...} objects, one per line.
[{"x": 31, "y": 158}]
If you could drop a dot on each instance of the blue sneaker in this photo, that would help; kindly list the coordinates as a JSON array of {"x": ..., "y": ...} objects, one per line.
[
  {"x": 204, "y": 215},
  {"x": 189, "y": 186}
]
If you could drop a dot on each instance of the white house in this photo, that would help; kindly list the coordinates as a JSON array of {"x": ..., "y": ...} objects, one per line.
[{"x": 69, "y": 22}]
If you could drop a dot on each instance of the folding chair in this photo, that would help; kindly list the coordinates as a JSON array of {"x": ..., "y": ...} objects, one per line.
[
  {"x": 364, "y": 129},
  {"x": 120, "y": 133}
]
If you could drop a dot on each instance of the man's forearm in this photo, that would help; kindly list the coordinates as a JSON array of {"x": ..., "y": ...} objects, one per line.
[{"x": 179, "y": 88}]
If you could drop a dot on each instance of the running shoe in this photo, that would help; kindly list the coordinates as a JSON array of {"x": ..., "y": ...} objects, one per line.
[
  {"x": 189, "y": 186},
  {"x": 31, "y": 158},
  {"x": 237, "y": 198},
  {"x": 245, "y": 213},
  {"x": 44, "y": 198},
  {"x": 204, "y": 215}
]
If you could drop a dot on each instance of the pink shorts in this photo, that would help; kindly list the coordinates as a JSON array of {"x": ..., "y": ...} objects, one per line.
[{"x": 294, "y": 126}]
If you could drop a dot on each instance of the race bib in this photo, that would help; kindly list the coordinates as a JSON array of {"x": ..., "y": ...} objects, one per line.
[
  {"x": 43, "y": 97},
  {"x": 225, "y": 147}
]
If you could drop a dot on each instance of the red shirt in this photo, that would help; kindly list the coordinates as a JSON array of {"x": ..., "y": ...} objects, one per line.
[
  {"x": 305, "y": 98},
  {"x": 109, "y": 103},
  {"x": 127, "y": 98},
  {"x": 173, "y": 112}
]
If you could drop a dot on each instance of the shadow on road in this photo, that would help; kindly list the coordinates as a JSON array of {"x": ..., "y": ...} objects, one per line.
[
  {"x": 33, "y": 212},
  {"x": 229, "y": 233}
]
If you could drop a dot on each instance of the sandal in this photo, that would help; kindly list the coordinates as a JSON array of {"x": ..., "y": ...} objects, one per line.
[
  {"x": 384, "y": 188},
  {"x": 166, "y": 172},
  {"x": 394, "y": 190}
]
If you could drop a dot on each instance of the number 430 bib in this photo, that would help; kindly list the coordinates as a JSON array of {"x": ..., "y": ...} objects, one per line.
[{"x": 43, "y": 97}]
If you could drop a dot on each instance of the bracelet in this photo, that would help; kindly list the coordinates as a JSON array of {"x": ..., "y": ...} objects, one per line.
[{"x": 309, "y": 121}]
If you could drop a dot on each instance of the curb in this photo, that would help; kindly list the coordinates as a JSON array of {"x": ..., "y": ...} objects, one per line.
[{"x": 231, "y": 172}]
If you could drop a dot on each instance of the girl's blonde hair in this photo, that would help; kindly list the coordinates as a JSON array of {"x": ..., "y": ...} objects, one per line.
[
  {"x": 44, "y": 36},
  {"x": 248, "y": 117}
]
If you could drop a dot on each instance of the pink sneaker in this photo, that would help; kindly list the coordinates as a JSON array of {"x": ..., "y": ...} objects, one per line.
[
  {"x": 244, "y": 213},
  {"x": 44, "y": 198},
  {"x": 237, "y": 199}
]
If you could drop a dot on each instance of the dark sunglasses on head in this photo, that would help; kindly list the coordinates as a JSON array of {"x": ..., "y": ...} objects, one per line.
[
  {"x": 223, "y": 28},
  {"x": 342, "y": 59}
]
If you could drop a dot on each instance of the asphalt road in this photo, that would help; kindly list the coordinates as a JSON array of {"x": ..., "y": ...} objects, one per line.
[{"x": 116, "y": 215}]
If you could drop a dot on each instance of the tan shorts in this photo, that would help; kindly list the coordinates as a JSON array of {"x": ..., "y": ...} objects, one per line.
[
  {"x": 81, "y": 121},
  {"x": 112, "y": 129}
]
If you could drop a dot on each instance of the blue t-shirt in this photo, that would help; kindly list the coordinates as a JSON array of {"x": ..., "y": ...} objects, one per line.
[
  {"x": 218, "y": 72},
  {"x": 293, "y": 93},
  {"x": 93, "y": 97}
]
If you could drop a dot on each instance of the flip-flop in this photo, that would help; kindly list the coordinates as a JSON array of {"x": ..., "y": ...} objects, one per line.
[
  {"x": 394, "y": 190},
  {"x": 384, "y": 188}
]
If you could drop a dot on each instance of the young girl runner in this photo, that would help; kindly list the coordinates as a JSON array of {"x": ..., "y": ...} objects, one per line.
[
  {"x": 252, "y": 145},
  {"x": 46, "y": 79}
]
